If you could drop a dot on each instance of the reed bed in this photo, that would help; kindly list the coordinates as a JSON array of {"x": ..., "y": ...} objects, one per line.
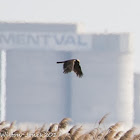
[{"x": 64, "y": 131}]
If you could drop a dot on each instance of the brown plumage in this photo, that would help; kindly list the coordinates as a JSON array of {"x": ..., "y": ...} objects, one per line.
[{"x": 72, "y": 65}]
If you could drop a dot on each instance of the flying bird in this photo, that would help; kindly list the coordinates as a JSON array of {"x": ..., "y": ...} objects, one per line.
[{"x": 72, "y": 65}]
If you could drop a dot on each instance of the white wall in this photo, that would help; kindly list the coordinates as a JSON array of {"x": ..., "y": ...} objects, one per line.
[{"x": 36, "y": 90}]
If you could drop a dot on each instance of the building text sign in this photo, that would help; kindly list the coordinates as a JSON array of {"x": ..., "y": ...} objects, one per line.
[{"x": 56, "y": 41}]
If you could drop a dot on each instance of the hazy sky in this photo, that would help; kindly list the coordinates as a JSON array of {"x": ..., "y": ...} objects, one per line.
[{"x": 96, "y": 15}]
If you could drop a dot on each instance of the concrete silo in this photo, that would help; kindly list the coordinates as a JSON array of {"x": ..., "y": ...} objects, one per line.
[
  {"x": 137, "y": 98},
  {"x": 107, "y": 84}
]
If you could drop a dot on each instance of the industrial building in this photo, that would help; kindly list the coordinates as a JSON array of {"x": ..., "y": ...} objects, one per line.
[
  {"x": 137, "y": 98},
  {"x": 34, "y": 88}
]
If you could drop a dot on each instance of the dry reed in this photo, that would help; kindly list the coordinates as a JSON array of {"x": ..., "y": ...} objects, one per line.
[{"x": 73, "y": 133}]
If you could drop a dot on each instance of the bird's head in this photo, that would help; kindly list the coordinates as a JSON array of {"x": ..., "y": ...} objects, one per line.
[{"x": 78, "y": 60}]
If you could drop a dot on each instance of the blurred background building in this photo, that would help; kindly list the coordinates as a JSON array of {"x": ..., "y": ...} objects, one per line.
[
  {"x": 35, "y": 88},
  {"x": 137, "y": 98}
]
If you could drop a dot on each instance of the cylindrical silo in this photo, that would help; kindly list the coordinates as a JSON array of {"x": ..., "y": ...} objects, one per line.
[
  {"x": 137, "y": 98},
  {"x": 107, "y": 84}
]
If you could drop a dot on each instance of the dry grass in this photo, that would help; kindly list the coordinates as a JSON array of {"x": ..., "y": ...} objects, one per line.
[{"x": 60, "y": 131}]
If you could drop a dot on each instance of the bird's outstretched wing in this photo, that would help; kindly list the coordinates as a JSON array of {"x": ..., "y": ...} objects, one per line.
[
  {"x": 77, "y": 69},
  {"x": 68, "y": 66}
]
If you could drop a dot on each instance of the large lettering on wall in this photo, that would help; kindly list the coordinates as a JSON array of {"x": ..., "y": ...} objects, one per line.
[{"x": 58, "y": 41}]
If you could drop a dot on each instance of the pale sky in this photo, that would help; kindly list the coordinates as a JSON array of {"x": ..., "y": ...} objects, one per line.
[{"x": 96, "y": 15}]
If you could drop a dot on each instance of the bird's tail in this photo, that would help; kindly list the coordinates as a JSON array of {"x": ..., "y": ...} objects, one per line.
[{"x": 60, "y": 62}]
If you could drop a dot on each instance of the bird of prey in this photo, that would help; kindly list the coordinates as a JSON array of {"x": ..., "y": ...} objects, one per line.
[{"x": 72, "y": 65}]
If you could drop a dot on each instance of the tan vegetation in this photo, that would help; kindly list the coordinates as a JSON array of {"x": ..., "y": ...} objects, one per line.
[{"x": 63, "y": 131}]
